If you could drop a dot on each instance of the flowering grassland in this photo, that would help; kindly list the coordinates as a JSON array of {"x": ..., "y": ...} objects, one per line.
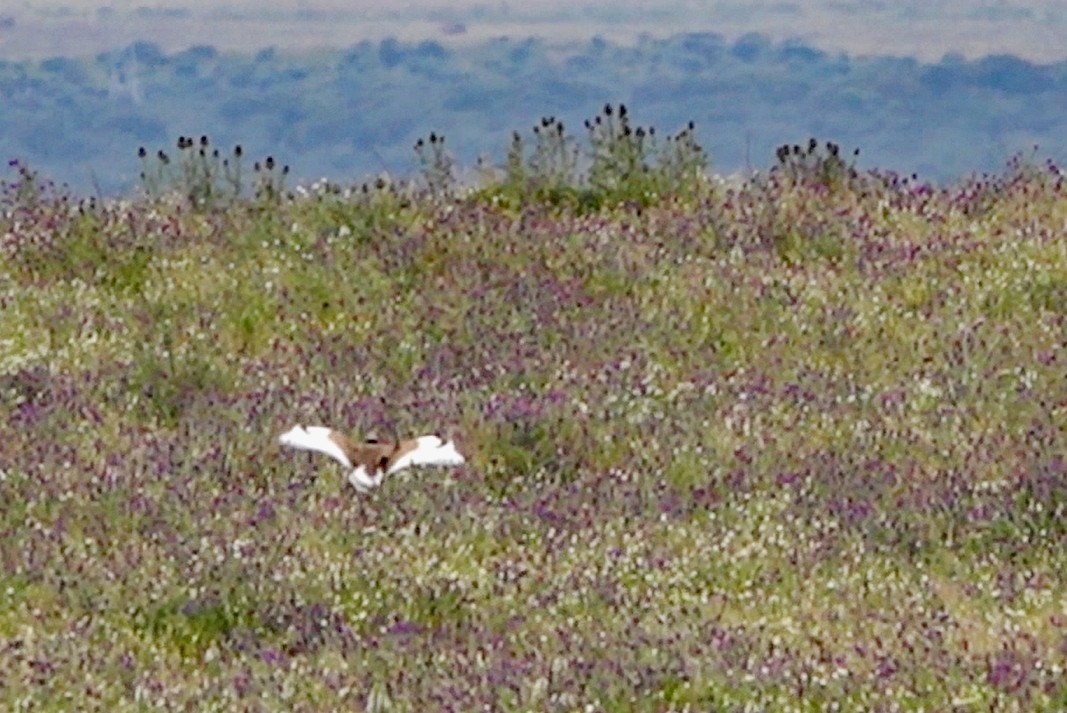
[{"x": 785, "y": 445}]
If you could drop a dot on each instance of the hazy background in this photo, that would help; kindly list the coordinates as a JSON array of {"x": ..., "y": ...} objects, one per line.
[
  {"x": 941, "y": 88},
  {"x": 925, "y": 29}
]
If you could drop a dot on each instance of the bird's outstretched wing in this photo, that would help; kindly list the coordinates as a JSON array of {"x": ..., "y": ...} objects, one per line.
[
  {"x": 315, "y": 438},
  {"x": 429, "y": 450}
]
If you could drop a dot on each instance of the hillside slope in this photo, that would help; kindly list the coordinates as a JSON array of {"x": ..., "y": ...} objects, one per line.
[{"x": 786, "y": 443}]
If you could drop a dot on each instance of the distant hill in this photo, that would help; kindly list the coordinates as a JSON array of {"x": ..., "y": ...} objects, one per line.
[
  {"x": 1032, "y": 29},
  {"x": 348, "y": 113}
]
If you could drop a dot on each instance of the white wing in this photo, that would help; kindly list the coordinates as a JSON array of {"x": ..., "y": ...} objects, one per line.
[
  {"x": 430, "y": 451},
  {"x": 314, "y": 438}
]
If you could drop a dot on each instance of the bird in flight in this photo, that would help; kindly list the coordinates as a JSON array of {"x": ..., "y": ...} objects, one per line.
[{"x": 371, "y": 460}]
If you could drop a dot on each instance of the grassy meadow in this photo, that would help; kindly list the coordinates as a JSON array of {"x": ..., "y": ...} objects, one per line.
[{"x": 794, "y": 444}]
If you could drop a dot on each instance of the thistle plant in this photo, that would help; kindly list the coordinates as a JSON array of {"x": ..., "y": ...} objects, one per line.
[
  {"x": 436, "y": 165},
  {"x": 516, "y": 172},
  {"x": 620, "y": 155},
  {"x": 24, "y": 190},
  {"x": 201, "y": 174},
  {"x": 155, "y": 173},
  {"x": 682, "y": 162},
  {"x": 816, "y": 163},
  {"x": 549, "y": 173},
  {"x": 621, "y": 163},
  {"x": 268, "y": 182},
  {"x": 554, "y": 161},
  {"x": 630, "y": 163}
]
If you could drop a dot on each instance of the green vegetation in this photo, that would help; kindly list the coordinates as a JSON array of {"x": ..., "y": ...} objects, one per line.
[
  {"x": 784, "y": 444},
  {"x": 623, "y": 164}
]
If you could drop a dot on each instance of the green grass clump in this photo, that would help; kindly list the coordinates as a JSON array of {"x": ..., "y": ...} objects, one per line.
[
  {"x": 621, "y": 163},
  {"x": 791, "y": 443}
]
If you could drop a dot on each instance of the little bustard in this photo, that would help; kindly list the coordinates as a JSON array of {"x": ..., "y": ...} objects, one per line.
[{"x": 370, "y": 461}]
